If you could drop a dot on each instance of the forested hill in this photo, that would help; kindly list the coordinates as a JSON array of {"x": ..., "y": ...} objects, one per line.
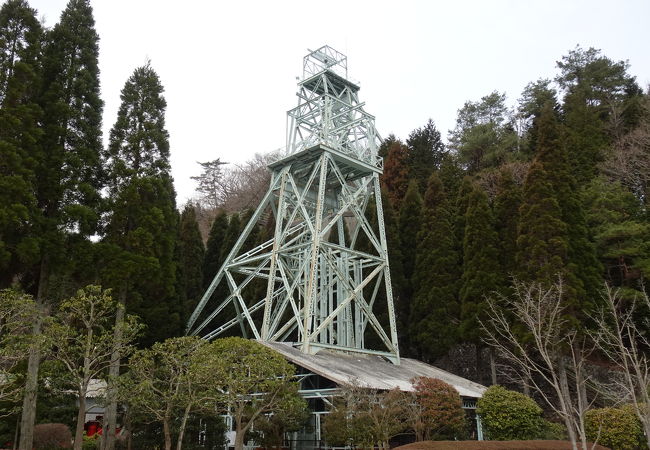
[{"x": 555, "y": 187}]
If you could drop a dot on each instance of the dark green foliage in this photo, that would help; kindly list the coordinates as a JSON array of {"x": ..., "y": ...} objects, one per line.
[
  {"x": 506, "y": 214},
  {"x": 542, "y": 242},
  {"x": 481, "y": 273},
  {"x": 20, "y": 36},
  {"x": 533, "y": 98},
  {"x": 232, "y": 234},
  {"x": 598, "y": 93},
  {"x": 409, "y": 225},
  {"x": 142, "y": 222},
  {"x": 425, "y": 153},
  {"x": 509, "y": 415},
  {"x": 214, "y": 248},
  {"x": 583, "y": 270},
  {"x": 189, "y": 259},
  {"x": 70, "y": 175},
  {"x": 483, "y": 136},
  {"x": 616, "y": 428},
  {"x": 435, "y": 309},
  {"x": 622, "y": 236},
  {"x": 395, "y": 179}
]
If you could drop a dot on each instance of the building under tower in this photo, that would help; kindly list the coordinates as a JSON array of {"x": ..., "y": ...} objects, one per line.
[{"x": 318, "y": 289}]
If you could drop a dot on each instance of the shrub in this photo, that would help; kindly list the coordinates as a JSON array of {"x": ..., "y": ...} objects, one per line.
[
  {"x": 52, "y": 435},
  {"x": 508, "y": 415},
  {"x": 440, "y": 410},
  {"x": 618, "y": 428}
]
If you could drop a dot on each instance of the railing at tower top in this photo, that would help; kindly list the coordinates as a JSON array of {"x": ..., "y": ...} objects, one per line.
[{"x": 329, "y": 112}]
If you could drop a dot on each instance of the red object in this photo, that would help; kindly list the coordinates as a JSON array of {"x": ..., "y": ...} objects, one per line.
[{"x": 92, "y": 428}]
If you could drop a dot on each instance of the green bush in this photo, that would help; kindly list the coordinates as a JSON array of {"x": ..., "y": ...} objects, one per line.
[
  {"x": 617, "y": 428},
  {"x": 553, "y": 431},
  {"x": 508, "y": 415}
]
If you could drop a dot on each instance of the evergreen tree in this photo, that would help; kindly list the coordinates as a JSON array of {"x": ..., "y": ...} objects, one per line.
[
  {"x": 542, "y": 242},
  {"x": 583, "y": 273},
  {"x": 69, "y": 168},
  {"x": 435, "y": 311},
  {"x": 395, "y": 178},
  {"x": 232, "y": 234},
  {"x": 481, "y": 272},
  {"x": 214, "y": 248},
  {"x": 425, "y": 153},
  {"x": 484, "y": 135},
  {"x": 20, "y": 36},
  {"x": 601, "y": 101},
  {"x": 142, "y": 221},
  {"x": 190, "y": 254},
  {"x": 409, "y": 226},
  {"x": 506, "y": 212}
]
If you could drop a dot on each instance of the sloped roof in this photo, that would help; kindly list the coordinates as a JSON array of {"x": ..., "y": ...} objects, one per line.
[{"x": 372, "y": 371}]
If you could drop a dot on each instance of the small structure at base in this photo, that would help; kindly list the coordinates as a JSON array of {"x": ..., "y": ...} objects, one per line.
[{"x": 323, "y": 375}]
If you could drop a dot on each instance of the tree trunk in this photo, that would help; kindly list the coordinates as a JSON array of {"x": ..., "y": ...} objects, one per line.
[
  {"x": 28, "y": 416},
  {"x": 479, "y": 363},
  {"x": 239, "y": 436},
  {"x": 81, "y": 419},
  {"x": 181, "y": 430},
  {"x": 168, "y": 434},
  {"x": 110, "y": 416},
  {"x": 493, "y": 366},
  {"x": 565, "y": 401}
]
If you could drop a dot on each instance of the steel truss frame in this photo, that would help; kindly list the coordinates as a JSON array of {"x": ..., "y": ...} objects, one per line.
[{"x": 321, "y": 287}]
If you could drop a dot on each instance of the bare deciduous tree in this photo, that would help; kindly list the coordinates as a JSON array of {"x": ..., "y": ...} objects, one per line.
[
  {"x": 619, "y": 337},
  {"x": 533, "y": 333}
]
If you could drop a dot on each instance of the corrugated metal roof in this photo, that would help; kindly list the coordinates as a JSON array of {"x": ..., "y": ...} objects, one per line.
[{"x": 372, "y": 371}]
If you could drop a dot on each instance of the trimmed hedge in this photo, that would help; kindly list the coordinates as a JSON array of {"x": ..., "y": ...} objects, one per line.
[
  {"x": 508, "y": 415},
  {"x": 617, "y": 428}
]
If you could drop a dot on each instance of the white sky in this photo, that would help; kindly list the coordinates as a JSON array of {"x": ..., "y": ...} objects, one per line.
[{"x": 229, "y": 67}]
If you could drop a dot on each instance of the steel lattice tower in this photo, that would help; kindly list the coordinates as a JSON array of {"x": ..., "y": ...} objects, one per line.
[{"x": 326, "y": 266}]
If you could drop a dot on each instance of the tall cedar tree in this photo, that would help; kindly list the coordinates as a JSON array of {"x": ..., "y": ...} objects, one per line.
[
  {"x": 395, "y": 178},
  {"x": 435, "y": 310},
  {"x": 142, "y": 221},
  {"x": 410, "y": 218},
  {"x": 69, "y": 167},
  {"x": 20, "y": 114},
  {"x": 190, "y": 252},
  {"x": 481, "y": 272},
  {"x": 425, "y": 153},
  {"x": 212, "y": 261},
  {"x": 583, "y": 273},
  {"x": 542, "y": 242},
  {"x": 506, "y": 213}
]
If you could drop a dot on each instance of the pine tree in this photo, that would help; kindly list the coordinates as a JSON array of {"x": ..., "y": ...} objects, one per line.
[
  {"x": 20, "y": 37},
  {"x": 481, "y": 273},
  {"x": 435, "y": 310},
  {"x": 425, "y": 153},
  {"x": 190, "y": 254},
  {"x": 214, "y": 248}
]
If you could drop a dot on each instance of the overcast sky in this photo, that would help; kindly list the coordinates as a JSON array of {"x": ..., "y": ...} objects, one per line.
[{"x": 229, "y": 68}]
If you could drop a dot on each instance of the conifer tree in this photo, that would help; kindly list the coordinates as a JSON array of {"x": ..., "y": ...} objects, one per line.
[
  {"x": 409, "y": 226},
  {"x": 395, "y": 178},
  {"x": 435, "y": 310},
  {"x": 190, "y": 254},
  {"x": 425, "y": 153},
  {"x": 506, "y": 212},
  {"x": 20, "y": 37},
  {"x": 214, "y": 248},
  {"x": 69, "y": 167},
  {"x": 481, "y": 273},
  {"x": 542, "y": 242},
  {"x": 140, "y": 237}
]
